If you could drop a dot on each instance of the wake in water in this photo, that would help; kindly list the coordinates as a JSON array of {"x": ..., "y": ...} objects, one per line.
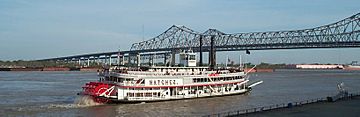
[
  {"x": 85, "y": 101},
  {"x": 80, "y": 101}
]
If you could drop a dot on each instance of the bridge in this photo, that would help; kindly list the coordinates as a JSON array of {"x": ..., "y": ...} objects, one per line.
[{"x": 341, "y": 34}]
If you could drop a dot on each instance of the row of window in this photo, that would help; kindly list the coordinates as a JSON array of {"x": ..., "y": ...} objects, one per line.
[
  {"x": 143, "y": 94},
  {"x": 115, "y": 79},
  {"x": 216, "y": 79}
]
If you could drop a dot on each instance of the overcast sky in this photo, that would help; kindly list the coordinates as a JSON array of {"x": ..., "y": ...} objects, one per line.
[{"x": 36, "y": 29}]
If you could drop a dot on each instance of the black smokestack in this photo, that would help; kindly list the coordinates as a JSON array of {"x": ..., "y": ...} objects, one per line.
[{"x": 247, "y": 52}]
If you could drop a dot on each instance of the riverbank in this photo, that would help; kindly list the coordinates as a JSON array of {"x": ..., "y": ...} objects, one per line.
[
  {"x": 92, "y": 69},
  {"x": 260, "y": 70}
]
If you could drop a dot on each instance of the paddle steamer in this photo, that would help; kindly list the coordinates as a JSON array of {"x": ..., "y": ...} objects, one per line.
[{"x": 146, "y": 84}]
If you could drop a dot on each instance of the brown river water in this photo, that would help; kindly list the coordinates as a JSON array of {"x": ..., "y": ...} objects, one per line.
[{"x": 54, "y": 94}]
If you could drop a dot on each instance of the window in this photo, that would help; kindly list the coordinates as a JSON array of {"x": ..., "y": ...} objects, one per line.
[
  {"x": 130, "y": 94},
  {"x": 198, "y": 79},
  {"x": 148, "y": 94},
  {"x": 192, "y": 57}
]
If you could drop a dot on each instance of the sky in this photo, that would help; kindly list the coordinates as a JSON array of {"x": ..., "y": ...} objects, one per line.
[{"x": 38, "y": 29}]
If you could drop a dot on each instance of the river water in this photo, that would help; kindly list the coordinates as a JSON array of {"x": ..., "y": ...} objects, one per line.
[{"x": 54, "y": 94}]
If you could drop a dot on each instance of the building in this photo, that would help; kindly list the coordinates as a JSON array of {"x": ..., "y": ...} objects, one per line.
[{"x": 307, "y": 66}]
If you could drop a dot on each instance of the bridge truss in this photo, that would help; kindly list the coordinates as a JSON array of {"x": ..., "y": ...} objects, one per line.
[
  {"x": 341, "y": 34},
  {"x": 344, "y": 33}
]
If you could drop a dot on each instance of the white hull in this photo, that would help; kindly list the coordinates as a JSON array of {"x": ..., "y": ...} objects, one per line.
[
  {"x": 182, "y": 97},
  {"x": 354, "y": 66},
  {"x": 196, "y": 90}
]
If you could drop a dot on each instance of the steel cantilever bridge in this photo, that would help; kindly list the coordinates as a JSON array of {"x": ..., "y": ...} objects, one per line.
[{"x": 341, "y": 34}]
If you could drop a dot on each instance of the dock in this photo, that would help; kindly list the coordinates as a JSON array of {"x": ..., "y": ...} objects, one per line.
[{"x": 301, "y": 108}]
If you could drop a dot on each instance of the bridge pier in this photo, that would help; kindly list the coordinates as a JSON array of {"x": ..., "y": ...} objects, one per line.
[
  {"x": 110, "y": 60},
  {"x": 79, "y": 62},
  {"x": 88, "y": 61},
  {"x": 172, "y": 63},
  {"x": 151, "y": 60},
  {"x": 123, "y": 60},
  {"x": 165, "y": 54},
  {"x": 93, "y": 60},
  {"x": 129, "y": 59},
  {"x": 138, "y": 59},
  {"x": 118, "y": 59},
  {"x": 98, "y": 60},
  {"x": 212, "y": 54},
  {"x": 103, "y": 60}
]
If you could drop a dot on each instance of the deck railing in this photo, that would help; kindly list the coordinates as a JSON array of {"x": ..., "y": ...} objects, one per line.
[{"x": 283, "y": 105}]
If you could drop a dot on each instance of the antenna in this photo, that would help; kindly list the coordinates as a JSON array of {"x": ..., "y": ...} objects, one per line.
[{"x": 118, "y": 56}]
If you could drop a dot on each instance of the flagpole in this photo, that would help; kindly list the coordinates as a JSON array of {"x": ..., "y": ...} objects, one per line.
[
  {"x": 226, "y": 61},
  {"x": 245, "y": 62},
  {"x": 247, "y": 52},
  {"x": 240, "y": 62},
  {"x": 118, "y": 57}
]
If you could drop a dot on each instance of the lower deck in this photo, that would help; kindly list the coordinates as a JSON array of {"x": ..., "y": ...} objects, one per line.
[
  {"x": 157, "y": 99},
  {"x": 174, "y": 93}
]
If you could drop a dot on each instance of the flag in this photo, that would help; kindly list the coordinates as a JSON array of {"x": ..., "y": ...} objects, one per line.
[{"x": 247, "y": 52}]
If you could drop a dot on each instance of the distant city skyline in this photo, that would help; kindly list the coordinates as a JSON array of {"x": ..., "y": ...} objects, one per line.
[{"x": 39, "y": 29}]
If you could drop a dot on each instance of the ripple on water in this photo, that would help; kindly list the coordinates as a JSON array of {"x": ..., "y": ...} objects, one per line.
[
  {"x": 80, "y": 101},
  {"x": 85, "y": 101}
]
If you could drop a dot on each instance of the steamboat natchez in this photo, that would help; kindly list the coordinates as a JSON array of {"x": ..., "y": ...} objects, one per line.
[{"x": 146, "y": 84}]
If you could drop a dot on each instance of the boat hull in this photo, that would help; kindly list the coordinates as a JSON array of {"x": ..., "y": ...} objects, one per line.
[
  {"x": 119, "y": 94},
  {"x": 126, "y": 101}
]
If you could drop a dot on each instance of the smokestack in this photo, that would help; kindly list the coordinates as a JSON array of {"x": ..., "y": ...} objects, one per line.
[{"x": 212, "y": 53}]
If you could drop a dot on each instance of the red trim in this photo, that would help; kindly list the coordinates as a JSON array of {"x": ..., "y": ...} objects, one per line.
[
  {"x": 178, "y": 85},
  {"x": 214, "y": 74}
]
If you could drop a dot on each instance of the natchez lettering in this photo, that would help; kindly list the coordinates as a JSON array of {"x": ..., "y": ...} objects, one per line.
[{"x": 163, "y": 82}]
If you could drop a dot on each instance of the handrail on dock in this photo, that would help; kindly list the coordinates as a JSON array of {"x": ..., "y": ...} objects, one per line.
[{"x": 283, "y": 105}]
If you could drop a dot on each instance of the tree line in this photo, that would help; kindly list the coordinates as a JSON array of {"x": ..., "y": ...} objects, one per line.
[{"x": 36, "y": 64}]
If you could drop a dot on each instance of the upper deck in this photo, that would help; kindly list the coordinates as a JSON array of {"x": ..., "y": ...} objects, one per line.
[
  {"x": 170, "y": 76},
  {"x": 168, "y": 72}
]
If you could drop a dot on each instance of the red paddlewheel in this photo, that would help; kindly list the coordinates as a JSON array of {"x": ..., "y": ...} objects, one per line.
[
  {"x": 101, "y": 89},
  {"x": 96, "y": 88}
]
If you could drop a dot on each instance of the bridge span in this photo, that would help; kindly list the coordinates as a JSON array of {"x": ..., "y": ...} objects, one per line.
[{"x": 342, "y": 34}]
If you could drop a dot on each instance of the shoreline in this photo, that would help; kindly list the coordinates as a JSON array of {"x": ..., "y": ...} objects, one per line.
[
  {"x": 92, "y": 69},
  {"x": 95, "y": 69}
]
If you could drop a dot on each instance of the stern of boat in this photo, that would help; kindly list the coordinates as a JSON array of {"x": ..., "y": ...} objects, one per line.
[{"x": 100, "y": 92}]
